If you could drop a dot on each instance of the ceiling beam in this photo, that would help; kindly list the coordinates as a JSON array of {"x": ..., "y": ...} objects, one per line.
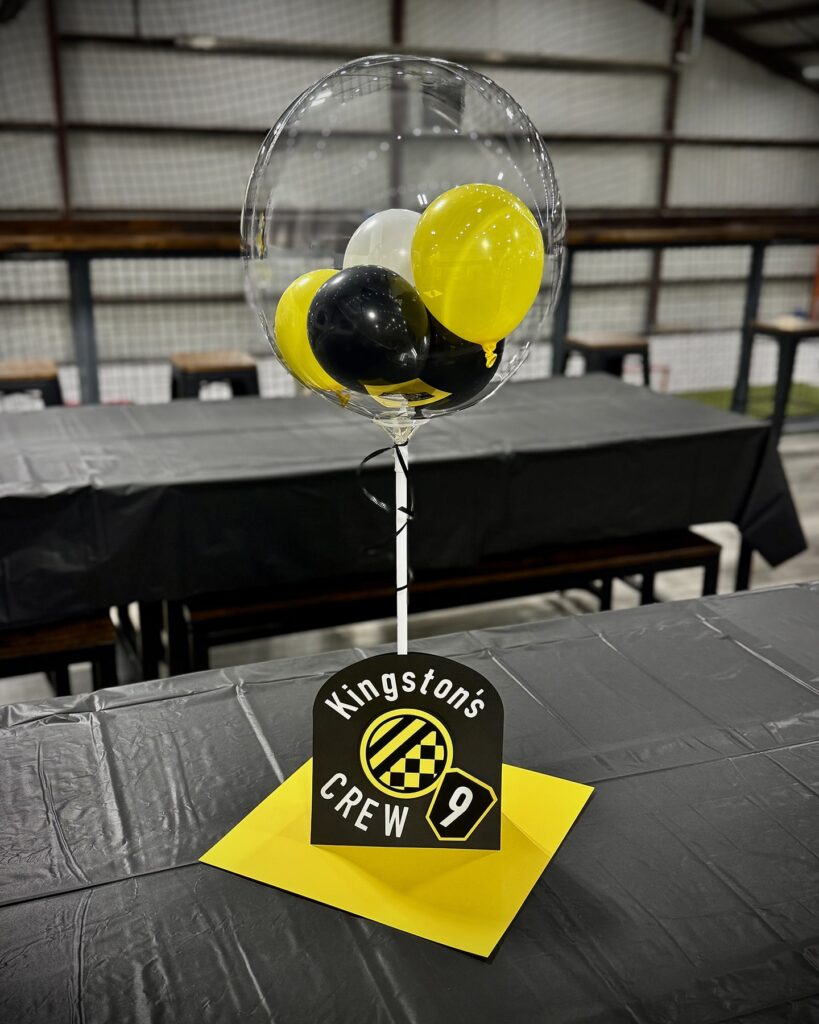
[
  {"x": 235, "y": 47},
  {"x": 722, "y": 31},
  {"x": 767, "y": 57},
  {"x": 256, "y": 134}
]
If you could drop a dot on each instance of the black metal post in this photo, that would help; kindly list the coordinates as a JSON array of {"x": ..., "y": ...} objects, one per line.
[
  {"x": 59, "y": 107},
  {"x": 82, "y": 327},
  {"x": 739, "y": 401}
]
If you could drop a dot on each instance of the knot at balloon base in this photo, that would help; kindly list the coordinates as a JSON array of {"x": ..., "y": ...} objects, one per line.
[
  {"x": 490, "y": 354},
  {"x": 397, "y": 424}
]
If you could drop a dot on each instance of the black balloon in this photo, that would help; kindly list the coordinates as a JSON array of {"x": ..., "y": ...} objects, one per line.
[
  {"x": 456, "y": 366},
  {"x": 367, "y": 325}
]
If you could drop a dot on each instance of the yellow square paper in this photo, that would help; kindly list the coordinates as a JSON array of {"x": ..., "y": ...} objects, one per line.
[{"x": 461, "y": 898}]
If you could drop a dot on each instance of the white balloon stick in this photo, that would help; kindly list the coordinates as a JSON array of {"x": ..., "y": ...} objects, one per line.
[{"x": 401, "y": 550}]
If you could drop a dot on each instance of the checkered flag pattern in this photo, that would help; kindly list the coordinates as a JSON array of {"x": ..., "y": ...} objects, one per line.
[{"x": 407, "y": 754}]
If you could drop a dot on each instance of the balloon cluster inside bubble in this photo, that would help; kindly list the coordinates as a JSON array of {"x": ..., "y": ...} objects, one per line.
[{"x": 403, "y": 235}]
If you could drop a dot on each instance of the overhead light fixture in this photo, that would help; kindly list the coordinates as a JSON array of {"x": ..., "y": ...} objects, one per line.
[{"x": 811, "y": 72}]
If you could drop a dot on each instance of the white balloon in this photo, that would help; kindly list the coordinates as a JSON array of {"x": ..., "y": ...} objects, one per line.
[{"x": 384, "y": 240}]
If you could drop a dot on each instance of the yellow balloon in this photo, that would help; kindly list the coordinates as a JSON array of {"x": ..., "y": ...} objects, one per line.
[
  {"x": 291, "y": 331},
  {"x": 477, "y": 258}
]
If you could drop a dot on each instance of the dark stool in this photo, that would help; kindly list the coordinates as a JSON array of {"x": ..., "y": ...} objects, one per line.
[
  {"x": 196, "y": 625},
  {"x": 190, "y": 370},
  {"x": 53, "y": 648},
  {"x": 788, "y": 332},
  {"x": 41, "y": 375},
  {"x": 604, "y": 352}
]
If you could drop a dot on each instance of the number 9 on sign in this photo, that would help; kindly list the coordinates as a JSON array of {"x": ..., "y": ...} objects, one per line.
[{"x": 460, "y": 804}]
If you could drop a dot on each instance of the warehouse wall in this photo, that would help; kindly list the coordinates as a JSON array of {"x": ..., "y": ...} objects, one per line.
[{"x": 114, "y": 87}]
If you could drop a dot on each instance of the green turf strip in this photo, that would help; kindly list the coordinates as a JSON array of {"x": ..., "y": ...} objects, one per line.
[{"x": 803, "y": 400}]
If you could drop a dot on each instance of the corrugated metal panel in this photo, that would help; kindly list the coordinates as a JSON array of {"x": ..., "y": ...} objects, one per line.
[
  {"x": 706, "y": 261},
  {"x": 616, "y": 265},
  {"x": 168, "y": 173},
  {"x": 142, "y": 86},
  {"x": 35, "y": 332},
  {"x": 29, "y": 180},
  {"x": 608, "y": 309},
  {"x": 348, "y": 21},
  {"x": 572, "y": 102},
  {"x": 602, "y": 176},
  {"x": 33, "y": 279},
  {"x": 713, "y": 176},
  {"x": 145, "y": 330},
  {"x": 25, "y": 82}
]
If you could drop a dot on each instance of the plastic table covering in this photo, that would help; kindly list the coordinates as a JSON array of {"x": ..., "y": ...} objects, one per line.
[
  {"x": 688, "y": 891},
  {"x": 104, "y": 505}
]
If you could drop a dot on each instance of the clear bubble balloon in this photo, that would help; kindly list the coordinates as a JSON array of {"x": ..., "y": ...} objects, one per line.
[{"x": 434, "y": 174}]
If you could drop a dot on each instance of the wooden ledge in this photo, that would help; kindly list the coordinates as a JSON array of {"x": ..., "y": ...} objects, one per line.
[
  {"x": 796, "y": 326},
  {"x": 58, "y": 638},
  {"x": 12, "y": 370},
  {"x": 217, "y": 232},
  {"x": 213, "y": 362}
]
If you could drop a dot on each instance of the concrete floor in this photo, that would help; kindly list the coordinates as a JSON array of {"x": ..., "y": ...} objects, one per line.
[{"x": 800, "y": 453}]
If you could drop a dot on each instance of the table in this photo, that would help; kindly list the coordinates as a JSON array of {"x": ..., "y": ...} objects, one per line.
[
  {"x": 103, "y": 505},
  {"x": 688, "y": 891},
  {"x": 788, "y": 332}
]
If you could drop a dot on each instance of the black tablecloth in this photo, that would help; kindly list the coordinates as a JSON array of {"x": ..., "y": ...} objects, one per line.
[
  {"x": 104, "y": 505},
  {"x": 688, "y": 891}
]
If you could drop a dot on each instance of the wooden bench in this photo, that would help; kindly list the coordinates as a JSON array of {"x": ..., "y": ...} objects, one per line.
[
  {"x": 605, "y": 351},
  {"x": 196, "y": 625},
  {"x": 51, "y": 649},
  {"x": 20, "y": 375},
  {"x": 190, "y": 370}
]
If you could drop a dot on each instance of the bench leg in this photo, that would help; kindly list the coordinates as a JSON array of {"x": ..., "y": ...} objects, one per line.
[
  {"x": 52, "y": 393},
  {"x": 711, "y": 576},
  {"x": 184, "y": 385},
  {"x": 126, "y": 627},
  {"x": 179, "y": 660},
  {"x": 647, "y": 595},
  {"x": 593, "y": 363},
  {"x": 104, "y": 668},
  {"x": 200, "y": 649},
  {"x": 604, "y": 594},
  {"x": 646, "y": 369},
  {"x": 60, "y": 680},
  {"x": 613, "y": 364},
  {"x": 150, "y": 636},
  {"x": 245, "y": 384}
]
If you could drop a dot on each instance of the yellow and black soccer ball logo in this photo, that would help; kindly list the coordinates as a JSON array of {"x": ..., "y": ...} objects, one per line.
[{"x": 404, "y": 752}]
